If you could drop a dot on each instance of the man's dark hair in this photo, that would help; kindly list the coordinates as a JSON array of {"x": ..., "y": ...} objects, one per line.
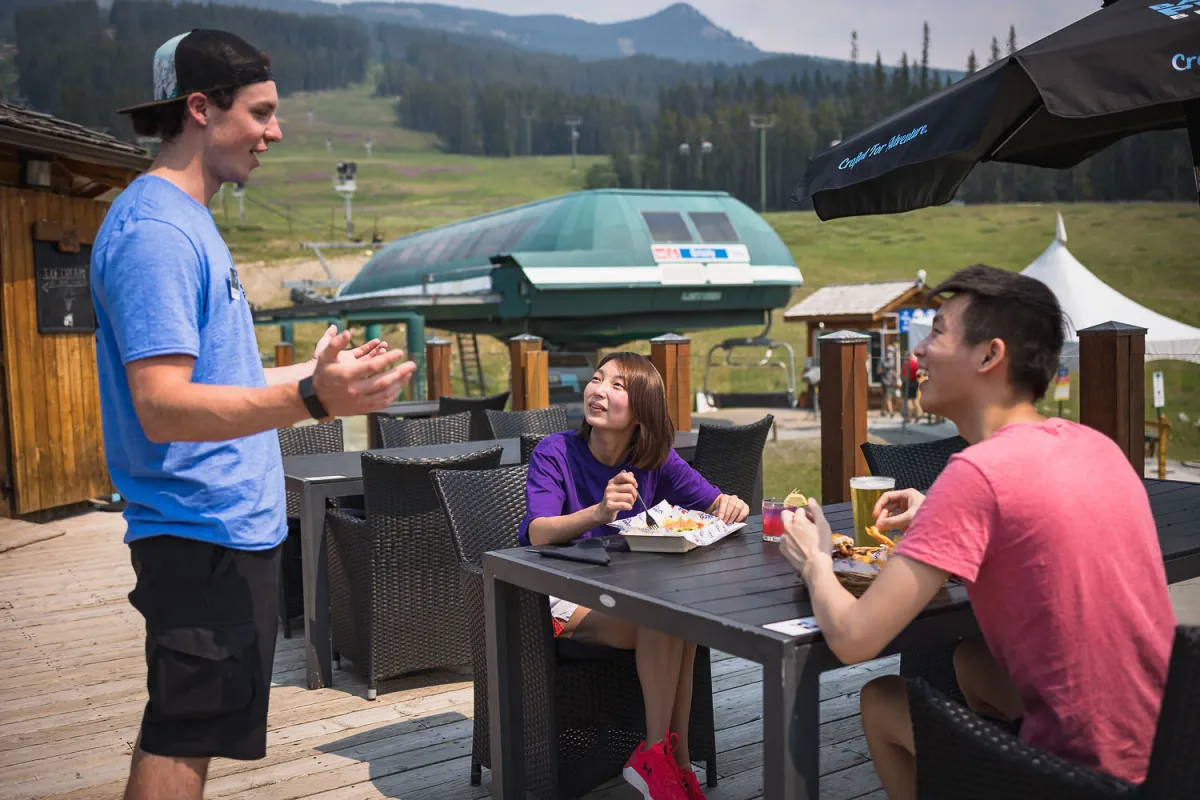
[
  {"x": 1019, "y": 310},
  {"x": 165, "y": 122}
]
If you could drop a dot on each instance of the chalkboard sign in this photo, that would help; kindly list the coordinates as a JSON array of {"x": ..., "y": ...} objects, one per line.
[{"x": 62, "y": 281}]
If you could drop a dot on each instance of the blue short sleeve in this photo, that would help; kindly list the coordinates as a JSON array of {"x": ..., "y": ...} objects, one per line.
[{"x": 154, "y": 282}]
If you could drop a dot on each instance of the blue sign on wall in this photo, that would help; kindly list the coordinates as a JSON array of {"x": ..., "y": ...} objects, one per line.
[{"x": 907, "y": 315}]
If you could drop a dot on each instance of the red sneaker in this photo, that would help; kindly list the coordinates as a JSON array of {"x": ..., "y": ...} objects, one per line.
[
  {"x": 653, "y": 772},
  {"x": 691, "y": 785}
]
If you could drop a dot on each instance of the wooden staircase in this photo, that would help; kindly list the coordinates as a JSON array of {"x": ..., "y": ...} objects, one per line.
[{"x": 472, "y": 367}]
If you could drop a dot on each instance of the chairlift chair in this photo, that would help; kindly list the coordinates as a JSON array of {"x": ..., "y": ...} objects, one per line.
[{"x": 785, "y": 399}]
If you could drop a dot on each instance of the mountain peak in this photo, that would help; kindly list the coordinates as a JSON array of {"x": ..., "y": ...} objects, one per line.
[
  {"x": 683, "y": 9},
  {"x": 678, "y": 31}
]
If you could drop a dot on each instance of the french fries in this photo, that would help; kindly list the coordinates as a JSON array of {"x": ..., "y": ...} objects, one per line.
[{"x": 874, "y": 533}]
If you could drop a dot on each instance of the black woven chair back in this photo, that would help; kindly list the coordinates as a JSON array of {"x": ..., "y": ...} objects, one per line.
[
  {"x": 483, "y": 507},
  {"x": 452, "y": 429},
  {"x": 511, "y": 424},
  {"x": 1174, "y": 769},
  {"x": 729, "y": 457},
  {"x": 530, "y": 441},
  {"x": 476, "y": 405},
  {"x": 307, "y": 440},
  {"x": 914, "y": 466},
  {"x": 401, "y": 487}
]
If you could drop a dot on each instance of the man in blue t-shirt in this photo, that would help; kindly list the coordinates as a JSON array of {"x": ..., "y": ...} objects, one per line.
[{"x": 190, "y": 415}]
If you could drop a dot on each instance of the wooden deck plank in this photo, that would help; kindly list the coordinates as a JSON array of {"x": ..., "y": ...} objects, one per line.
[{"x": 72, "y": 690}]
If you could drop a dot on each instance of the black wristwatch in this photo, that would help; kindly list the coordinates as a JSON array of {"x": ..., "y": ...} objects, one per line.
[{"x": 309, "y": 395}]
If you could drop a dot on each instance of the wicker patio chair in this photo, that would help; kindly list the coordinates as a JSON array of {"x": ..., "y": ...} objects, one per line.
[
  {"x": 917, "y": 466},
  {"x": 960, "y": 754},
  {"x": 730, "y": 457},
  {"x": 582, "y": 704},
  {"x": 914, "y": 466},
  {"x": 476, "y": 405},
  {"x": 301, "y": 440},
  {"x": 528, "y": 442},
  {"x": 511, "y": 424},
  {"x": 395, "y": 593},
  {"x": 451, "y": 429}
]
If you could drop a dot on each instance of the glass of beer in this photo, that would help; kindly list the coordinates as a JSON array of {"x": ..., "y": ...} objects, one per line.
[{"x": 864, "y": 494}]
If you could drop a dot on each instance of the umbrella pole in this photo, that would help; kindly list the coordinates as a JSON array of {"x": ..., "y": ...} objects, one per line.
[
  {"x": 1015, "y": 128},
  {"x": 1191, "y": 110}
]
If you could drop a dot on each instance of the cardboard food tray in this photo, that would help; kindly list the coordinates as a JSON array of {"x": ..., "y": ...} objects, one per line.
[
  {"x": 642, "y": 542},
  {"x": 640, "y": 538}
]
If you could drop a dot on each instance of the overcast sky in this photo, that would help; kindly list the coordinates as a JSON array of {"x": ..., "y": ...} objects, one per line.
[{"x": 823, "y": 28}]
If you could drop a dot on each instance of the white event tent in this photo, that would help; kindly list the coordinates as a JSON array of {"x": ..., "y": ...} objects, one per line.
[{"x": 1087, "y": 301}]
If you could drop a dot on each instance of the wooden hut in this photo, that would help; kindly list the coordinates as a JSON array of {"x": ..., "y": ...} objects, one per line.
[
  {"x": 874, "y": 309},
  {"x": 51, "y": 174}
]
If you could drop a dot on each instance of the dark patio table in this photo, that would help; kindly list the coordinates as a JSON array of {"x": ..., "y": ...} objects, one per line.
[
  {"x": 722, "y": 596},
  {"x": 316, "y": 478}
]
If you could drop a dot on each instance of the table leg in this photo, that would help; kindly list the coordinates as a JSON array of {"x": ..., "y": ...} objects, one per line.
[
  {"x": 791, "y": 728},
  {"x": 507, "y": 732},
  {"x": 318, "y": 646}
]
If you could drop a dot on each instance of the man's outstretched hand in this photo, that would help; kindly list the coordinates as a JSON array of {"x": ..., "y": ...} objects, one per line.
[
  {"x": 370, "y": 348},
  {"x": 368, "y": 378}
]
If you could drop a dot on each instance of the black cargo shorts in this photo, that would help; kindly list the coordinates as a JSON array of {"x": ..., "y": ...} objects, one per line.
[{"x": 211, "y": 618}]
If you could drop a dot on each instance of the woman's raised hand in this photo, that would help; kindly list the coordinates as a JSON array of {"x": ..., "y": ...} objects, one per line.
[{"x": 619, "y": 495}]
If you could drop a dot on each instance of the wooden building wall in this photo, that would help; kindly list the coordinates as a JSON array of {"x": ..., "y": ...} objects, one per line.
[{"x": 51, "y": 443}]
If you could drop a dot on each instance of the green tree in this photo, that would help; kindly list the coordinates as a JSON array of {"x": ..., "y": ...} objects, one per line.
[{"x": 923, "y": 77}]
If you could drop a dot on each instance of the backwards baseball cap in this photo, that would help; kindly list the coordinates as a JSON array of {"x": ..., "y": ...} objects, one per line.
[{"x": 204, "y": 60}]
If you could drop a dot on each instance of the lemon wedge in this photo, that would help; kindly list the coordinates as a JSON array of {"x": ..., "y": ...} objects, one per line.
[{"x": 795, "y": 500}]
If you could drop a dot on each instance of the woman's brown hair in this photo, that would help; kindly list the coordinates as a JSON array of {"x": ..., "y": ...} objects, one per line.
[{"x": 653, "y": 433}]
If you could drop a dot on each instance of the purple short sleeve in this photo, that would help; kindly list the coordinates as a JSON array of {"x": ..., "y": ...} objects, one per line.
[
  {"x": 545, "y": 489},
  {"x": 678, "y": 483}
]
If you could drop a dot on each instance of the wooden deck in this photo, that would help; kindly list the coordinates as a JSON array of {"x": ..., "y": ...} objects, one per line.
[{"x": 72, "y": 687}]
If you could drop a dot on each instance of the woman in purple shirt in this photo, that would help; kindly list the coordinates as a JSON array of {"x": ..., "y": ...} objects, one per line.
[{"x": 581, "y": 481}]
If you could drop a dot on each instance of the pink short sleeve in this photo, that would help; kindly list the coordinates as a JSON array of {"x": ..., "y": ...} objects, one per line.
[{"x": 953, "y": 528}]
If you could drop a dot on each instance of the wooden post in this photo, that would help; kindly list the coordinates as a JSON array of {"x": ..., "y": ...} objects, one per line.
[
  {"x": 437, "y": 365},
  {"x": 1163, "y": 427},
  {"x": 518, "y": 346},
  {"x": 283, "y": 354},
  {"x": 1112, "y": 385},
  {"x": 537, "y": 379},
  {"x": 671, "y": 355},
  {"x": 843, "y": 412}
]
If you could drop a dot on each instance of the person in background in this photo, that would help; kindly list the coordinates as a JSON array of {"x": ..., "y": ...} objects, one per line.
[
  {"x": 1073, "y": 609},
  {"x": 580, "y": 481},
  {"x": 889, "y": 378},
  {"x": 912, "y": 381},
  {"x": 190, "y": 416}
]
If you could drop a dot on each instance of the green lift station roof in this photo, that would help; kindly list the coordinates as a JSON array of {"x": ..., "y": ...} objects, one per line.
[{"x": 585, "y": 269}]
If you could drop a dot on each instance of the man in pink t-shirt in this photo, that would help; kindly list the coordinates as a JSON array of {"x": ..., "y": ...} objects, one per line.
[{"x": 1050, "y": 529}]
